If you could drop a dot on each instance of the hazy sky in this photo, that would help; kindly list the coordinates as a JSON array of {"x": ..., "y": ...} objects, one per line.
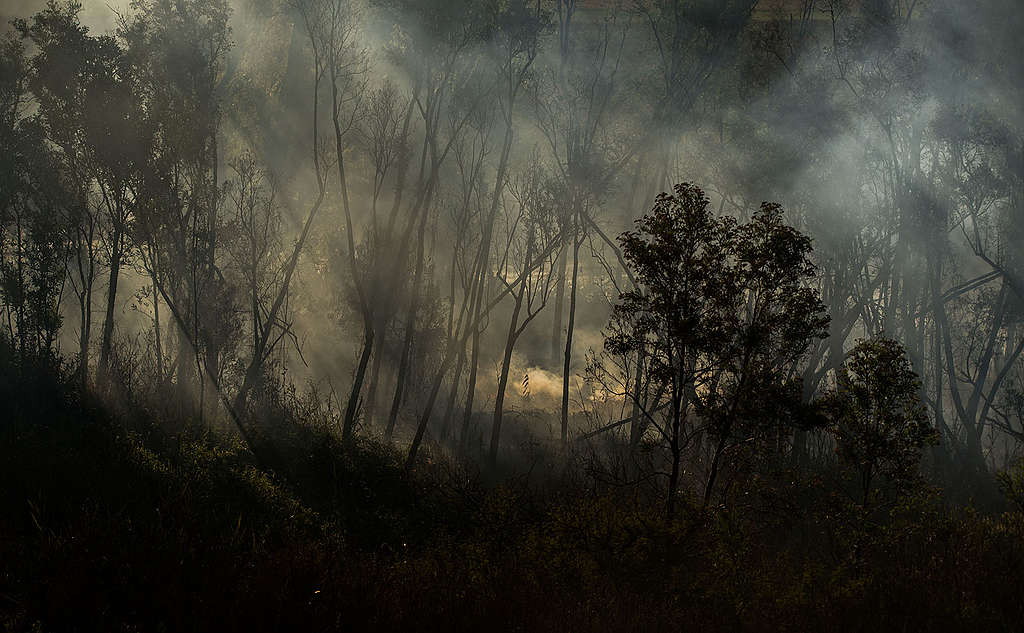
[{"x": 96, "y": 14}]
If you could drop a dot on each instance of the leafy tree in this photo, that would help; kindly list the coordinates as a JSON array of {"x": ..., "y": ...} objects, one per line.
[
  {"x": 879, "y": 423},
  {"x": 721, "y": 314},
  {"x": 33, "y": 196},
  {"x": 88, "y": 113},
  {"x": 177, "y": 53}
]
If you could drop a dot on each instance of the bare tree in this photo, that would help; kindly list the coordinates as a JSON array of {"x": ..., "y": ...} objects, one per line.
[
  {"x": 528, "y": 231},
  {"x": 576, "y": 113}
]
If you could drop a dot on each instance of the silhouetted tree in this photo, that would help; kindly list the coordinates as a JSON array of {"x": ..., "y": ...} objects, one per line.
[
  {"x": 722, "y": 312},
  {"x": 35, "y": 199},
  {"x": 177, "y": 52},
  {"x": 879, "y": 423}
]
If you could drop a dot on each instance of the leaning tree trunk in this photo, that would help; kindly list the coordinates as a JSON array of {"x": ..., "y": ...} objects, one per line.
[
  {"x": 348, "y": 423},
  {"x": 404, "y": 361},
  {"x": 506, "y": 362}
]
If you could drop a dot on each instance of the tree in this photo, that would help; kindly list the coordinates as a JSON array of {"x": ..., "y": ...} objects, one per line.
[
  {"x": 435, "y": 50},
  {"x": 253, "y": 241},
  {"x": 385, "y": 133},
  {"x": 513, "y": 43},
  {"x": 513, "y": 39},
  {"x": 579, "y": 112},
  {"x": 692, "y": 40},
  {"x": 721, "y": 314},
  {"x": 346, "y": 66},
  {"x": 87, "y": 110},
  {"x": 34, "y": 196},
  {"x": 778, "y": 315},
  {"x": 878, "y": 421},
  {"x": 531, "y": 231},
  {"x": 177, "y": 52}
]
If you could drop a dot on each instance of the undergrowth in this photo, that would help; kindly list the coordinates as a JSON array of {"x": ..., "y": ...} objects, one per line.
[{"x": 110, "y": 523}]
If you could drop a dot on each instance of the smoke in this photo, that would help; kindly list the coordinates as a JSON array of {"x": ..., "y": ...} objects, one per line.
[
  {"x": 99, "y": 16},
  {"x": 805, "y": 112}
]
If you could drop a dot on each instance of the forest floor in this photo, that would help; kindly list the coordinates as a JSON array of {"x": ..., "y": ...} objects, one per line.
[{"x": 108, "y": 523}]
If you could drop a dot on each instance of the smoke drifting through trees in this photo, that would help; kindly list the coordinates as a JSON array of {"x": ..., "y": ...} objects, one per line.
[{"x": 414, "y": 206}]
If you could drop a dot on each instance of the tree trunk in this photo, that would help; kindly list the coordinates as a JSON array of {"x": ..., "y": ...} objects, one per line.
[
  {"x": 676, "y": 451},
  {"x": 453, "y": 393},
  {"x": 370, "y": 409},
  {"x": 473, "y": 326},
  {"x": 506, "y": 361},
  {"x": 348, "y": 423},
  {"x": 83, "y": 339},
  {"x": 673, "y": 482},
  {"x": 428, "y": 410},
  {"x": 156, "y": 335},
  {"x": 556, "y": 322},
  {"x": 410, "y": 327},
  {"x": 85, "y": 308},
  {"x": 636, "y": 428},
  {"x": 467, "y": 412},
  {"x": 106, "y": 342},
  {"x": 567, "y": 358},
  {"x": 403, "y": 368},
  {"x": 715, "y": 461},
  {"x": 480, "y": 285}
]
